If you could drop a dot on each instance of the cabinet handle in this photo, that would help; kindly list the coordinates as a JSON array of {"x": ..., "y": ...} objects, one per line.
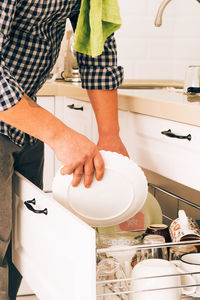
[
  {"x": 29, "y": 203},
  {"x": 71, "y": 106},
  {"x": 169, "y": 133},
  {"x": 193, "y": 90}
]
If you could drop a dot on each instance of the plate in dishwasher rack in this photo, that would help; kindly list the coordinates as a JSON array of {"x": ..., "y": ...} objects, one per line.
[{"x": 117, "y": 197}]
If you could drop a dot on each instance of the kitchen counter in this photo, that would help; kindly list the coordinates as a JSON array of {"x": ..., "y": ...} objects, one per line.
[{"x": 164, "y": 102}]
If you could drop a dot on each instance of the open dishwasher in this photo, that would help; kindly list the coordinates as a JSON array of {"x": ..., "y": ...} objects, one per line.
[{"x": 56, "y": 252}]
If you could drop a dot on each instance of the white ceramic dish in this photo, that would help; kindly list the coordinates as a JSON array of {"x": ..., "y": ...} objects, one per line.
[{"x": 117, "y": 197}]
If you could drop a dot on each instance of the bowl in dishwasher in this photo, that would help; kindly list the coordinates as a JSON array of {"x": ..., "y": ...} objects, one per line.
[{"x": 117, "y": 197}]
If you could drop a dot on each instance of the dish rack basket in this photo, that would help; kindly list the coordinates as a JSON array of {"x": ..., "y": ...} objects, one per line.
[{"x": 106, "y": 289}]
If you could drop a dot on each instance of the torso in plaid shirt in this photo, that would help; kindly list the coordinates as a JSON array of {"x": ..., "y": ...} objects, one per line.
[{"x": 31, "y": 32}]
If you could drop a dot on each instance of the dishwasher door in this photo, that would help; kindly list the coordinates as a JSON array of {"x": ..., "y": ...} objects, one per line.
[{"x": 54, "y": 250}]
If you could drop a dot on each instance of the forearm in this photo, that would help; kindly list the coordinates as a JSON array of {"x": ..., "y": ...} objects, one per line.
[
  {"x": 105, "y": 106},
  {"x": 76, "y": 153},
  {"x": 31, "y": 118}
]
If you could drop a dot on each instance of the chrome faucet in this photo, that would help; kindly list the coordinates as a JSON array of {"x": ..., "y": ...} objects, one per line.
[{"x": 158, "y": 19}]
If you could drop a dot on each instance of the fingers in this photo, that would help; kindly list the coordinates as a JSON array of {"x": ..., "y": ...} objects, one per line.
[
  {"x": 87, "y": 170},
  {"x": 77, "y": 175},
  {"x": 91, "y": 166},
  {"x": 88, "y": 173},
  {"x": 99, "y": 166}
]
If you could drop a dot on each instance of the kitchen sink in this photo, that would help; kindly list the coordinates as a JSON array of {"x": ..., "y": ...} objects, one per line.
[{"x": 150, "y": 84}]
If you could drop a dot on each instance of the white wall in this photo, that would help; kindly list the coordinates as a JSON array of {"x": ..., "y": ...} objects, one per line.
[{"x": 149, "y": 52}]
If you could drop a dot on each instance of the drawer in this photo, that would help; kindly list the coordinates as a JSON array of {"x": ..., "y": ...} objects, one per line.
[
  {"x": 173, "y": 157},
  {"x": 55, "y": 252},
  {"x": 75, "y": 114}
]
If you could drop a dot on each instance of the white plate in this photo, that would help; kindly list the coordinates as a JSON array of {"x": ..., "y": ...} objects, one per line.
[{"x": 117, "y": 197}]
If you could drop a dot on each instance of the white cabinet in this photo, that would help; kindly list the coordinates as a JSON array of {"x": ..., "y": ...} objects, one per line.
[
  {"x": 126, "y": 131},
  {"x": 53, "y": 250},
  {"x": 49, "y": 171},
  {"x": 75, "y": 114},
  {"x": 174, "y": 155}
]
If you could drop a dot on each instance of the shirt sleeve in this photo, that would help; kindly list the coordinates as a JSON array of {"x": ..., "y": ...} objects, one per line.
[
  {"x": 101, "y": 72},
  {"x": 10, "y": 91}
]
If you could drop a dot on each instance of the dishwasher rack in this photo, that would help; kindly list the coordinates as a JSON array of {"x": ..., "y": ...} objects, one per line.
[{"x": 106, "y": 288}]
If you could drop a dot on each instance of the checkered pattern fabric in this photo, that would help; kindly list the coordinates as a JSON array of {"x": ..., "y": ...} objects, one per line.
[
  {"x": 31, "y": 32},
  {"x": 102, "y": 71}
]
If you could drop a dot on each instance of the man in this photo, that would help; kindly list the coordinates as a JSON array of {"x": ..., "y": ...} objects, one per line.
[{"x": 31, "y": 32}]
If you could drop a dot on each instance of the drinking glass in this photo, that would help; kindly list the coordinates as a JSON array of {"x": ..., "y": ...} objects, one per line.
[
  {"x": 192, "y": 80},
  {"x": 111, "y": 280},
  {"x": 154, "y": 252},
  {"x": 121, "y": 247}
]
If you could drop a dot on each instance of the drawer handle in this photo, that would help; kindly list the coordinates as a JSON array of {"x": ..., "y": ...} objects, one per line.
[
  {"x": 169, "y": 133},
  {"x": 29, "y": 203},
  {"x": 71, "y": 106}
]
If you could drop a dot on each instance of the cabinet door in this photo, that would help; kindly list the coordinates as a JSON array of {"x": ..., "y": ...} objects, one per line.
[
  {"x": 75, "y": 114},
  {"x": 49, "y": 157},
  {"x": 48, "y": 104},
  {"x": 176, "y": 158},
  {"x": 55, "y": 252},
  {"x": 126, "y": 132}
]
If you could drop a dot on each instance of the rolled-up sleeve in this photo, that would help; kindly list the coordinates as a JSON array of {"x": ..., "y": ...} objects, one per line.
[
  {"x": 10, "y": 91},
  {"x": 101, "y": 72}
]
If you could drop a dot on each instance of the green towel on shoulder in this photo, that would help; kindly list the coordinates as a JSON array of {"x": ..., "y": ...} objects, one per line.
[{"x": 97, "y": 20}]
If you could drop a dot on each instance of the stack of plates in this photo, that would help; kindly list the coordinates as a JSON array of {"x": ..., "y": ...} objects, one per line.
[{"x": 117, "y": 197}]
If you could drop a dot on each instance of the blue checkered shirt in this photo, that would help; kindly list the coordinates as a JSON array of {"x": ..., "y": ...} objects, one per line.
[{"x": 31, "y": 32}]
